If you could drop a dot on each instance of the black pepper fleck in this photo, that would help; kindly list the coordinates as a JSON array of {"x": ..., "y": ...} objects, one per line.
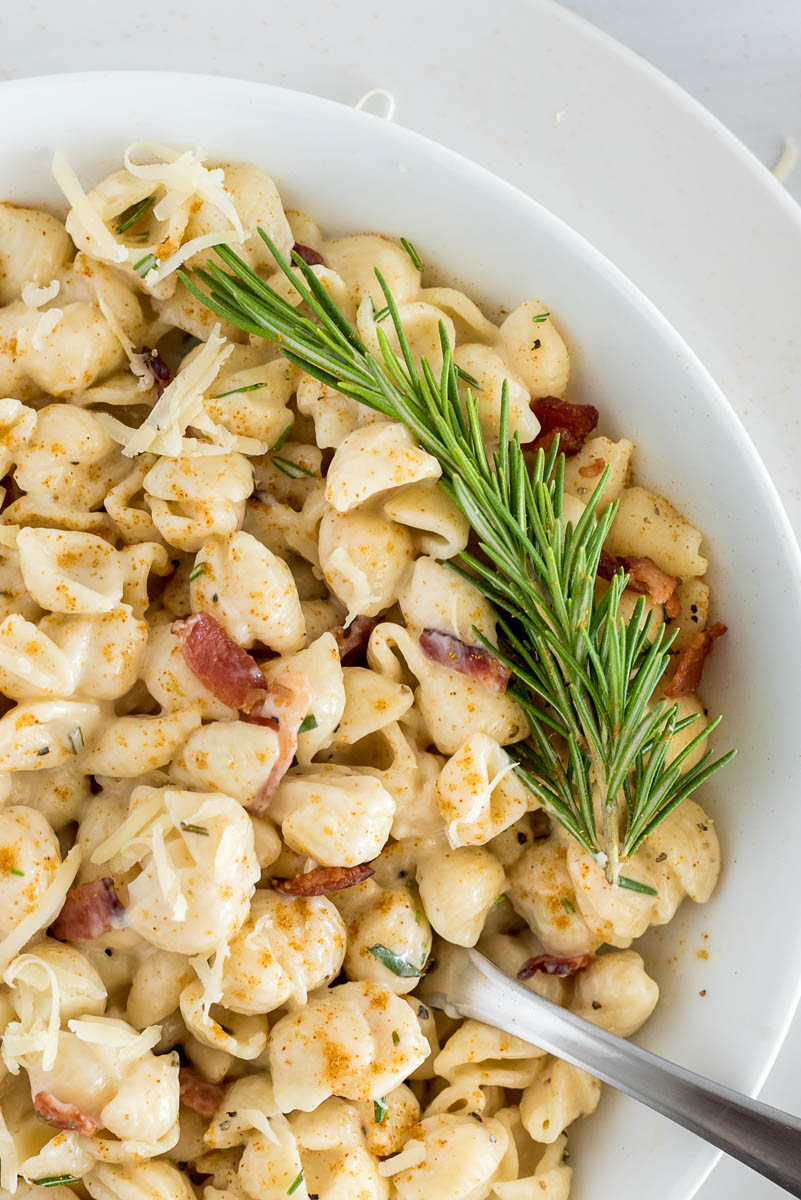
[
  {"x": 596, "y": 1004},
  {"x": 702, "y": 827},
  {"x": 661, "y": 857},
  {"x": 537, "y": 344},
  {"x": 216, "y": 598},
  {"x": 44, "y": 750}
]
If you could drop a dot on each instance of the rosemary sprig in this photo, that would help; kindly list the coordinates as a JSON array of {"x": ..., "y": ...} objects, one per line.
[{"x": 580, "y": 671}]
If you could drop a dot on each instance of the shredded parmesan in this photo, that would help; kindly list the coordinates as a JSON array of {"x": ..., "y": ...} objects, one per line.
[
  {"x": 48, "y": 908},
  {"x": 106, "y": 245},
  {"x": 105, "y": 1031},
  {"x": 204, "y": 241},
  {"x": 412, "y": 1154},
  {"x": 210, "y": 975},
  {"x": 127, "y": 833},
  {"x": 180, "y": 405},
  {"x": 34, "y": 296},
  {"x": 484, "y": 796},
  {"x": 181, "y": 175},
  {"x": 17, "y": 1040},
  {"x": 45, "y": 326}
]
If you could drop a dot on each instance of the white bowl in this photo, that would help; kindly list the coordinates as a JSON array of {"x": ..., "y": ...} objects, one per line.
[{"x": 356, "y": 173}]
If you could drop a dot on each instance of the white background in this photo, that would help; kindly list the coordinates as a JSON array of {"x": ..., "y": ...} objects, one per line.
[{"x": 507, "y": 83}]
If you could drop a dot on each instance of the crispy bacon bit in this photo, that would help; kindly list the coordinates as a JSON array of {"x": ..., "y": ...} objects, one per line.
[
  {"x": 645, "y": 578},
  {"x": 690, "y": 666},
  {"x": 309, "y": 256},
  {"x": 592, "y": 468},
  {"x": 199, "y": 1093},
  {"x": 162, "y": 375},
  {"x": 573, "y": 422},
  {"x": 323, "y": 880},
  {"x": 88, "y": 911},
  {"x": 62, "y": 1116},
  {"x": 475, "y": 661},
  {"x": 220, "y": 663},
  {"x": 608, "y": 565},
  {"x": 353, "y": 641},
  {"x": 287, "y": 702},
  {"x": 551, "y": 964}
]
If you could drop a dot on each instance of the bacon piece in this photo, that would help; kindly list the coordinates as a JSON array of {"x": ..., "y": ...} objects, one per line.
[
  {"x": 353, "y": 641},
  {"x": 551, "y": 964},
  {"x": 475, "y": 661},
  {"x": 690, "y": 666},
  {"x": 309, "y": 256},
  {"x": 645, "y": 578},
  {"x": 573, "y": 422},
  {"x": 162, "y": 375},
  {"x": 199, "y": 1093},
  {"x": 88, "y": 911},
  {"x": 323, "y": 880},
  {"x": 287, "y": 703},
  {"x": 220, "y": 663},
  {"x": 62, "y": 1116}
]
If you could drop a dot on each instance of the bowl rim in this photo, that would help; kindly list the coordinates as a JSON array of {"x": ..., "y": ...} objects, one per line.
[{"x": 699, "y": 378}]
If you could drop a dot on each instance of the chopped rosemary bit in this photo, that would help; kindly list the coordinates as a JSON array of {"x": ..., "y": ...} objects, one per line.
[
  {"x": 283, "y": 435},
  {"x": 75, "y": 739},
  {"x": 146, "y": 264},
  {"x": 394, "y": 963},
  {"x": 197, "y": 571},
  {"x": 308, "y": 723},
  {"x": 380, "y": 1110},
  {"x": 295, "y": 1184},
  {"x": 16, "y": 871},
  {"x": 417, "y": 916},
  {"x": 539, "y": 317},
  {"x": 395, "y": 1038},
  {"x": 134, "y": 213},
  {"x": 246, "y": 387},
  {"x": 634, "y": 885},
  {"x": 55, "y": 1180},
  {"x": 201, "y": 829},
  {"x": 567, "y": 906},
  {"x": 498, "y": 900},
  {"x": 413, "y": 255},
  {"x": 381, "y": 313},
  {"x": 292, "y": 469}
]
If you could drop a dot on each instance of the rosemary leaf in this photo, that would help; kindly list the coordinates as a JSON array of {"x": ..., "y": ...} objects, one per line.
[
  {"x": 134, "y": 213},
  {"x": 394, "y": 963},
  {"x": 413, "y": 255}
]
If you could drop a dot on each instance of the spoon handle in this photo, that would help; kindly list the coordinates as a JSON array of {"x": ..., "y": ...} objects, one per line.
[{"x": 762, "y": 1137}]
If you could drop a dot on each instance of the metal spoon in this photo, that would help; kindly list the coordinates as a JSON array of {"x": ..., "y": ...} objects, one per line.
[{"x": 466, "y": 984}]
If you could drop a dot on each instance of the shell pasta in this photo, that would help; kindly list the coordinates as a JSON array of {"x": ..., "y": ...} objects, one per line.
[{"x": 255, "y": 732}]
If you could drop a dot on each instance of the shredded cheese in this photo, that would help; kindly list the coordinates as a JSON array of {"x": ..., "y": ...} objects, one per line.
[
  {"x": 17, "y": 1040},
  {"x": 106, "y": 245},
  {"x": 203, "y": 241},
  {"x": 260, "y": 1122},
  {"x": 34, "y": 296},
  {"x": 45, "y": 326},
  {"x": 105, "y": 1031},
  {"x": 127, "y": 833},
  {"x": 46, "y": 910},
  {"x": 181, "y": 174},
  {"x": 210, "y": 975},
  {"x": 412, "y": 1154},
  {"x": 180, "y": 405},
  {"x": 484, "y": 796},
  {"x": 168, "y": 876}
]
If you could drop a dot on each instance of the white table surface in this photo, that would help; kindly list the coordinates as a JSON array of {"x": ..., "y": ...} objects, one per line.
[{"x": 461, "y": 71}]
